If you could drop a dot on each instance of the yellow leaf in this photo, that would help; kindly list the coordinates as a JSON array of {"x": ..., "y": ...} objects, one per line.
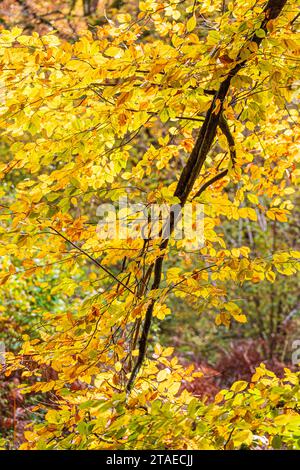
[
  {"x": 270, "y": 215},
  {"x": 243, "y": 437},
  {"x": 252, "y": 214},
  {"x": 4, "y": 279},
  {"x": 29, "y": 436},
  {"x": 114, "y": 51},
  {"x": 248, "y": 212},
  {"x": 167, "y": 352},
  {"x": 241, "y": 318},
  {"x": 174, "y": 388},
  {"x": 235, "y": 252},
  {"x": 281, "y": 217},
  {"x": 191, "y": 24},
  {"x": 282, "y": 419},
  {"x": 253, "y": 198},
  {"x": 270, "y": 275},
  {"x": 239, "y": 386},
  {"x": 220, "y": 396}
]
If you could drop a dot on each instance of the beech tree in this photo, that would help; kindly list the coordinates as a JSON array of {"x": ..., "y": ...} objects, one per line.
[{"x": 183, "y": 102}]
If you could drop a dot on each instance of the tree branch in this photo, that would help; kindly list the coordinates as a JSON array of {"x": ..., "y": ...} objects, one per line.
[
  {"x": 231, "y": 144},
  {"x": 193, "y": 167},
  {"x": 210, "y": 182}
]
